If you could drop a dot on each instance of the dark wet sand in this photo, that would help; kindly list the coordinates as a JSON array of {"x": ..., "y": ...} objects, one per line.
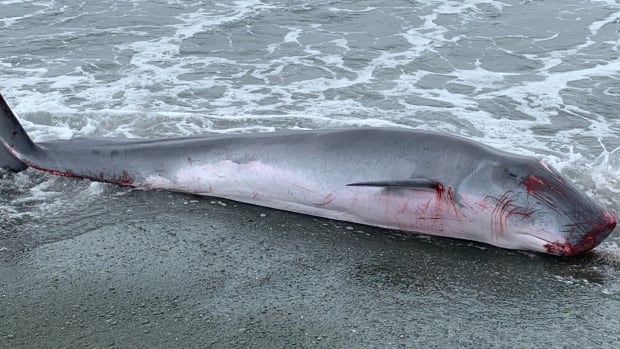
[{"x": 160, "y": 270}]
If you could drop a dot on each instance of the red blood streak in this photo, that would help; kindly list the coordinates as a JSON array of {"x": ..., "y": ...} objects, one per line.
[
  {"x": 123, "y": 179},
  {"x": 533, "y": 183},
  {"x": 599, "y": 231}
]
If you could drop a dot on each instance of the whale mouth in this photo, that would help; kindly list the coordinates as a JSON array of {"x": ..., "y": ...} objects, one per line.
[{"x": 600, "y": 230}]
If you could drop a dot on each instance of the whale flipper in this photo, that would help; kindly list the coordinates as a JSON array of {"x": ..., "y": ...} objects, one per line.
[{"x": 412, "y": 183}]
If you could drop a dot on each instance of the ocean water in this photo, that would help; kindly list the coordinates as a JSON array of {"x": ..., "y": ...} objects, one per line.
[{"x": 540, "y": 78}]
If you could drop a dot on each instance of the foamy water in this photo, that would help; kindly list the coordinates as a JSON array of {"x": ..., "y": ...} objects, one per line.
[{"x": 535, "y": 77}]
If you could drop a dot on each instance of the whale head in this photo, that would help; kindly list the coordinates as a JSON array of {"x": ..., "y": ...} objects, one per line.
[{"x": 532, "y": 206}]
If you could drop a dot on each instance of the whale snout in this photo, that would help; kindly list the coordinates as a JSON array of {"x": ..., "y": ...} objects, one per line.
[
  {"x": 599, "y": 231},
  {"x": 581, "y": 224}
]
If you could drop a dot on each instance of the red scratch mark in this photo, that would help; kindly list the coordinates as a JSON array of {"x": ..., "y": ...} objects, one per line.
[
  {"x": 452, "y": 201},
  {"x": 404, "y": 208},
  {"x": 503, "y": 210},
  {"x": 434, "y": 213},
  {"x": 439, "y": 189},
  {"x": 448, "y": 196},
  {"x": 560, "y": 248},
  {"x": 123, "y": 179},
  {"x": 600, "y": 230},
  {"x": 328, "y": 199},
  {"x": 551, "y": 170},
  {"x": 498, "y": 218},
  {"x": 535, "y": 186},
  {"x": 428, "y": 204},
  {"x": 533, "y": 183}
]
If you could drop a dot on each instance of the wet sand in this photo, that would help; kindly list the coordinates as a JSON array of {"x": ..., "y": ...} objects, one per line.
[{"x": 160, "y": 270}]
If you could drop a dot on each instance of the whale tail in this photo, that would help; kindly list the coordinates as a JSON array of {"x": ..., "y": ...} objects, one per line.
[{"x": 13, "y": 140}]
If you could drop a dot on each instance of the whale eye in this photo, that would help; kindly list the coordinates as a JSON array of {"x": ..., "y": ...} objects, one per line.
[{"x": 511, "y": 174}]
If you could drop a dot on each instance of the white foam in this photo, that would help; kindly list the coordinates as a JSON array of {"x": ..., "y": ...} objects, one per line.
[
  {"x": 293, "y": 35},
  {"x": 597, "y": 25},
  {"x": 336, "y": 10},
  {"x": 10, "y": 21},
  {"x": 461, "y": 7}
]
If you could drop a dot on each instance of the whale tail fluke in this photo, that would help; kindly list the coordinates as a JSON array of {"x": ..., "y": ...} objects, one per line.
[{"x": 13, "y": 140}]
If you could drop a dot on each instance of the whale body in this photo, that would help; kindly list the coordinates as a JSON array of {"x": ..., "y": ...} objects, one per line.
[{"x": 419, "y": 181}]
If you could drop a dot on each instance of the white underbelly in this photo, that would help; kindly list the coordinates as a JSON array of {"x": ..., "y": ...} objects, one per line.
[
  {"x": 424, "y": 211},
  {"x": 256, "y": 183}
]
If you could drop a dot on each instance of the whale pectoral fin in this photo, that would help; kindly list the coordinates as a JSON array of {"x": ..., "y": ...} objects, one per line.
[
  {"x": 442, "y": 190},
  {"x": 413, "y": 183}
]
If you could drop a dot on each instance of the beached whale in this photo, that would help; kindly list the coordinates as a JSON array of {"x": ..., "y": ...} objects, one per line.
[{"x": 426, "y": 182}]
